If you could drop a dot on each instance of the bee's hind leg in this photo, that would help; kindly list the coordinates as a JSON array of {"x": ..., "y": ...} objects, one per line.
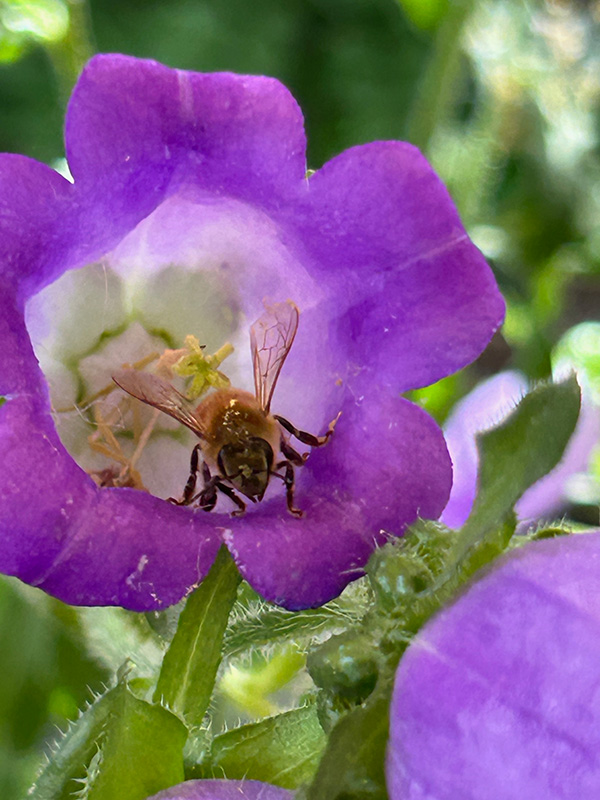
[
  {"x": 303, "y": 436},
  {"x": 190, "y": 486}
]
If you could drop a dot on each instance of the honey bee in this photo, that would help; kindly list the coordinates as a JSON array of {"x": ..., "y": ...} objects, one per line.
[{"x": 239, "y": 436}]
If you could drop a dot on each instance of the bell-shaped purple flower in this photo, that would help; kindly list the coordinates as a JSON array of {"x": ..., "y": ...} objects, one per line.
[
  {"x": 499, "y": 695},
  {"x": 190, "y": 205},
  {"x": 223, "y": 790}
]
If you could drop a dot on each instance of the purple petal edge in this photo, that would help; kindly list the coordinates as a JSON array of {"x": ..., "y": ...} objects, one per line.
[{"x": 223, "y": 790}]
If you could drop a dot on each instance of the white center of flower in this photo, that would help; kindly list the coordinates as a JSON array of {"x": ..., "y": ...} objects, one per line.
[{"x": 194, "y": 266}]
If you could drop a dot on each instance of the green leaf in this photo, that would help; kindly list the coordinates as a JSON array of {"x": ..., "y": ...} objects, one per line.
[
  {"x": 72, "y": 752},
  {"x": 133, "y": 750},
  {"x": 283, "y": 750},
  {"x": 516, "y": 454},
  {"x": 141, "y": 750},
  {"x": 352, "y": 765},
  {"x": 190, "y": 665}
]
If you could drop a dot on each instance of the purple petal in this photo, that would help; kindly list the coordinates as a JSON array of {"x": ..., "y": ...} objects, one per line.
[
  {"x": 89, "y": 546},
  {"x": 425, "y": 302},
  {"x": 135, "y": 120},
  {"x": 19, "y": 369},
  {"x": 386, "y": 464},
  {"x": 223, "y": 790},
  {"x": 499, "y": 695},
  {"x": 33, "y": 199}
]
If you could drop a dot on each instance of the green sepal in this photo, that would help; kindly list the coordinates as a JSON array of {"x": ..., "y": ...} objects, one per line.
[
  {"x": 141, "y": 750},
  {"x": 352, "y": 765},
  {"x": 401, "y": 571},
  {"x": 256, "y": 624},
  {"x": 283, "y": 750},
  {"x": 546, "y": 532},
  {"x": 346, "y": 665},
  {"x": 187, "y": 677}
]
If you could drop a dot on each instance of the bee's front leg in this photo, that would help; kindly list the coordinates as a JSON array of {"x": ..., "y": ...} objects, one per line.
[
  {"x": 207, "y": 498},
  {"x": 289, "y": 480},
  {"x": 190, "y": 486},
  {"x": 228, "y": 492}
]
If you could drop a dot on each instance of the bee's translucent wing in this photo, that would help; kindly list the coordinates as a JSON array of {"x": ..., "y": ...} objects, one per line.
[
  {"x": 271, "y": 337},
  {"x": 160, "y": 394}
]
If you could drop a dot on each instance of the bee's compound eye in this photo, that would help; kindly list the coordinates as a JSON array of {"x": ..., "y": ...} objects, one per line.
[{"x": 247, "y": 466}]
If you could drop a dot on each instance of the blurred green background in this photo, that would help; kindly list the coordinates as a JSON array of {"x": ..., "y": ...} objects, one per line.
[{"x": 504, "y": 98}]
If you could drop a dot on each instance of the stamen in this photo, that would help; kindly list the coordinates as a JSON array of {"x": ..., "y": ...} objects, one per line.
[
  {"x": 203, "y": 368},
  {"x": 188, "y": 361}
]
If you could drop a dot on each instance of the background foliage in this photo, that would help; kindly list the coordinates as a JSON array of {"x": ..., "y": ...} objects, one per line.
[{"x": 502, "y": 95}]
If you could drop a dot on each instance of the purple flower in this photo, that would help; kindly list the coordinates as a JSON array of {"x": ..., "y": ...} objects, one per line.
[
  {"x": 499, "y": 695},
  {"x": 487, "y": 405},
  {"x": 191, "y": 204},
  {"x": 223, "y": 790}
]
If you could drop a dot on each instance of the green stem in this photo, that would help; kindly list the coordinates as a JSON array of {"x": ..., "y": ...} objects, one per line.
[
  {"x": 437, "y": 90},
  {"x": 69, "y": 55}
]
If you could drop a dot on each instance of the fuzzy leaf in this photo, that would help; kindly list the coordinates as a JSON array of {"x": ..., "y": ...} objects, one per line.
[
  {"x": 190, "y": 665},
  {"x": 516, "y": 454},
  {"x": 141, "y": 750},
  {"x": 72, "y": 752},
  {"x": 283, "y": 750}
]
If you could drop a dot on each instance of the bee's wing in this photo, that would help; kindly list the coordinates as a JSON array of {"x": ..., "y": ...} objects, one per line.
[
  {"x": 271, "y": 337},
  {"x": 159, "y": 393}
]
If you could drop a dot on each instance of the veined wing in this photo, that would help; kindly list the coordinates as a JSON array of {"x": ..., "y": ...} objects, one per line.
[
  {"x": 160, "y": 394},
  {"x": 271, "y": 337}
]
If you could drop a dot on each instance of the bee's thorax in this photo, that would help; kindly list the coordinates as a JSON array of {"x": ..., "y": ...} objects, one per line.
[{"x": 232, "y": 417}]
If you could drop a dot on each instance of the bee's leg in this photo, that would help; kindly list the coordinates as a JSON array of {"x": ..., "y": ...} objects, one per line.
[
  {"x": 304, "y": 437},
  {"x": 207, "y": 498},
  {"x": 288, "y": 480},
  {"x": 190, "y": 486},
  {"x": 228, "y": 492},
  {"x": 291, "y": 454}
]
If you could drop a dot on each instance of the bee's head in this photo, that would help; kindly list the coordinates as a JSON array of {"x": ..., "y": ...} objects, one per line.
[{"x": 247, "y": 466}]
